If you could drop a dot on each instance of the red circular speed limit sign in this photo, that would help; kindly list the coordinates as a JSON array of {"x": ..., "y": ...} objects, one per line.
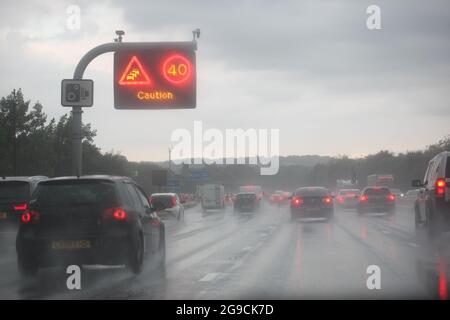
[{"x": 177, "y": 69}]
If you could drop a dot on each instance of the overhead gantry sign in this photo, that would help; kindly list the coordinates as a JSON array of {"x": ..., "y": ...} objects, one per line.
[
  {"x": 157, "y": 77},
  {"x": 147, "y": 75}
]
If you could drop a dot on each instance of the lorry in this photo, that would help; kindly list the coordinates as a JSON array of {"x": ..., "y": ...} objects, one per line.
[
  {"x": 380, "y": 180},
  {"x": 346, "y": 184},
  {"x": 212, "y": 196}
]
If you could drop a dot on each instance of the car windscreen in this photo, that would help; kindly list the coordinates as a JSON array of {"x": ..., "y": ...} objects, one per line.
[
  {"x": 377, "y": 191},
  {"x": 75, "y": 192},
  {"x": 14, "y": 190},
  {"x": 312, "y": 192},
  {"x": 447, "y": 168}
]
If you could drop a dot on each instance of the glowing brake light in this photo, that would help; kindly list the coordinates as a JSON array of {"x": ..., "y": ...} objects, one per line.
[
  {"x": 440, "y": 187},
  {"x": 363, "y": 198},
  {"x": 328, "y": 200},
  {"x": 29, "y": 217},
  {"x": 174, "y": 201},
  {"x": 297, "y": 201},
  {"x": 391, "y": 197},
  {"x": 26, "y": 217},
  {"x": 20, "y": 207},
  {"x": 116, "y": 213}
]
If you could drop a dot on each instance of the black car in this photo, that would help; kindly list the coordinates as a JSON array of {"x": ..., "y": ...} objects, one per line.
[
  {"x": 89, "y": 220},
  {"x": 376, "y": 199},
  {"x": 312, "y": 202},
  {"x": 15, "y": 193},
  {"x": 246, "y": 202},
  {"x": 432, "y": 205}
]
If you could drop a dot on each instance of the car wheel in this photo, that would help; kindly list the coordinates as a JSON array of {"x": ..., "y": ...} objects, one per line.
[
  {"x": 137, "y": 256},
  {"x": 432, "y": 226},
  {"x": 27, "y": 266},
  {"x": 417, "y": 221}
]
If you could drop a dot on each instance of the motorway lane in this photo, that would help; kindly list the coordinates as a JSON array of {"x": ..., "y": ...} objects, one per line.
[{"x": 221, "y": 255}]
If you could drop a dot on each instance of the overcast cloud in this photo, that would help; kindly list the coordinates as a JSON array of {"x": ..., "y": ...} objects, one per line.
[{"x": 310, "y": 68}]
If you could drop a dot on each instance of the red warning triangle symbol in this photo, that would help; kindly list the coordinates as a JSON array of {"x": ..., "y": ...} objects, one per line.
[{"x": 134, "y": 74}]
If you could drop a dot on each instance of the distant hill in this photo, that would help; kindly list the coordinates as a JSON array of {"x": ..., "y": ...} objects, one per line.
[{"x": 308, "y": 161}]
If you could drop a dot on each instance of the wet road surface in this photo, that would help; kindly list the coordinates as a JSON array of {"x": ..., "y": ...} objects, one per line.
[{"x": 222, "y": 255}]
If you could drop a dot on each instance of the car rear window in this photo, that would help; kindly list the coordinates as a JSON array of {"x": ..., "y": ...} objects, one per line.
[
  {"x": 312, "y": 192},
  {"x": 75, "y": 192},
  {"x": 348, "y": 192},
  {"x": 447, "y": 168},
  {"x": 164, "y": 201},
  {"x": 14, "y": 190},
  {"x": 246, "y": 196},
  {"x": 377, "y": 191}
]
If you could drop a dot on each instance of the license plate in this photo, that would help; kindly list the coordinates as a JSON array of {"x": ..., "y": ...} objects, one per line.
[
  {"x": 3, "y": 215},
  {"x": 312, "y": 209},
  {"x": 71, "y": 244}
]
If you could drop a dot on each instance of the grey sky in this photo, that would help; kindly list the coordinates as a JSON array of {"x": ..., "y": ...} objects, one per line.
[{"x": 310, "y": 68}]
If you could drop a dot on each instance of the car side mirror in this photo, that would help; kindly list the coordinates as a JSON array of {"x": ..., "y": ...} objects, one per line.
[
  {"x": 150, "y": 210},
  {"x": 417, "y": 183}
]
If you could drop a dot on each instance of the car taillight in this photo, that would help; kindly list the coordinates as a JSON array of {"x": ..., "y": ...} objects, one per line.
[
  {"x": 341, "y": 199},
  {"x": 150, "y": 199},
  {"x": 20, "y": 207},
  {"x": 440, "y": 187},
  {"x": 328, "y": 200},
  {"x": 174, "y": 202},
  {"x": 391, "y": 197},
  {"x": 116, "y": 213},
  {"x": 297, "y": 201},
  {"x": 363, "y": 198},
  {"x": 29, "y": 216}
]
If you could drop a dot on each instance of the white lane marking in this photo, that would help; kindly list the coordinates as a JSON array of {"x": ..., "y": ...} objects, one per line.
[
  {"x": 248, "y": 248},
  {"x": 236, "y": 265},
  {"x": 209, "y": 277},
  {"x": 385, "y": 232},
  {"x": 414, "y": 245}
]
